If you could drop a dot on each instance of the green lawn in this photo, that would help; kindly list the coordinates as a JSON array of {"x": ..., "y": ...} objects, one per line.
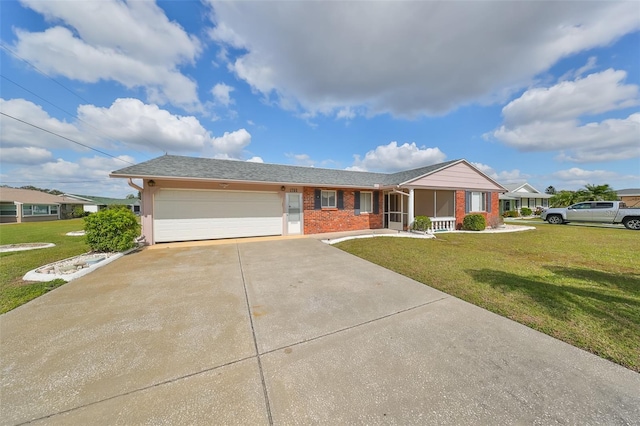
[
  {"x": 15, "y": 292},
  {"x": 578, "y": 284}
]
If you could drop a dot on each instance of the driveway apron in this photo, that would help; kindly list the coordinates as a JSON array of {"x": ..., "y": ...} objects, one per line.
[{"x": 287, "y": 332}]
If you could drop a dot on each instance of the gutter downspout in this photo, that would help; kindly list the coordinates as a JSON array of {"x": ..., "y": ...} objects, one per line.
[{"x": 133, "y": 185}]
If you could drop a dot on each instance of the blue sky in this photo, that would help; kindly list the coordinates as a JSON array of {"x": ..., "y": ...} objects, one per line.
[{"x": 542, "y": 92}]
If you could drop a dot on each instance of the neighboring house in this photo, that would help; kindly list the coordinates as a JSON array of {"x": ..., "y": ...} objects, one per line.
[
  {"x": 631, "y": 196},
  {"x": 25, "y": 205},
  {"x": 186, "y": 198},
  {"x": 95, "y": 204},
  {"x": 522, "y": 195}
]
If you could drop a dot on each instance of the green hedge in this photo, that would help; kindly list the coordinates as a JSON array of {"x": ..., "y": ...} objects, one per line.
[
  {"x": 111, "y": 230},
  {"x": 421, "y": 223},
  {"x": 474, "y": 222}
]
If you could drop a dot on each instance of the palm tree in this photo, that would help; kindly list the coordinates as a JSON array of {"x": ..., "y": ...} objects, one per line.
[
  {"x": 564, "y": 198},
  {"x": 600, "y": 192}
]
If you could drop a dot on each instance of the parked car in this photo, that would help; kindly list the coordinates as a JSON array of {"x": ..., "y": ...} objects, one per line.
[{"x": 595, "y": 211}]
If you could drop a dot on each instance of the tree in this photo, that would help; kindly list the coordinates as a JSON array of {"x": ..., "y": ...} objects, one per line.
[
  {"x": 563, "y": 198},
  {"x": 550, "y": 190},
  {"x": 600, "y": 193},
  {"x": 130, "y": 197}
]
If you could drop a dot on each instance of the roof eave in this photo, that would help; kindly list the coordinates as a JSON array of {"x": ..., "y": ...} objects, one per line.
[{"x": 251, "y": 182}]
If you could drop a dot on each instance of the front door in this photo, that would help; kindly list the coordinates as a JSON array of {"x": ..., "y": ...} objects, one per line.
[{"x": 294, "y": 213}]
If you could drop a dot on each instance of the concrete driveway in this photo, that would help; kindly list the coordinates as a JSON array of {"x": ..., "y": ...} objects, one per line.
[{"x": 287, "y": 332}]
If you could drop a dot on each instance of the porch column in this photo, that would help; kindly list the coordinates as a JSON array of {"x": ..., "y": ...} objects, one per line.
[{"x": 411, "y": 211}]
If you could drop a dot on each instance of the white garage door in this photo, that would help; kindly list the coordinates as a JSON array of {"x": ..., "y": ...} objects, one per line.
[{"x": 187, "y": 215}]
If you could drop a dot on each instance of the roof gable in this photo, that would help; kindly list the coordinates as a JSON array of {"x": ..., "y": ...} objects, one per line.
[{"x": 455, "y": 174}]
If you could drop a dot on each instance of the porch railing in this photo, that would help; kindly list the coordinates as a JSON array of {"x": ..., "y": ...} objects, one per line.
[{"x": 439, "y": 224}]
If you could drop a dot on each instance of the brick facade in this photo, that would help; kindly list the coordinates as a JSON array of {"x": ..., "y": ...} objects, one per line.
[
  {"x": 336, "y": 220},
  {"x": 460, "y": 208}
]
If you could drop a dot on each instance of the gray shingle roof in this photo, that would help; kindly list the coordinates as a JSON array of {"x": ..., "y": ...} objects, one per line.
[{"x": 173, "y": 166}]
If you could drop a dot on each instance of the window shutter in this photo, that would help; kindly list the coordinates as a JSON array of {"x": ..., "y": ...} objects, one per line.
[
  {"x": 488, "y": 208},
  {"x": 467, "y": 201},
  {"x": 340, "y": 201},
  {"x": 317, "y": 200},
  {"x": 376, "y": 201},
  {"x": 356, "y": 203}
]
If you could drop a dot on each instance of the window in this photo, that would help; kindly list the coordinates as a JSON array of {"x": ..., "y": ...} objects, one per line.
[
  {"x": 366, "y": 202},
  {"x": 581, "y": 206},
  {"x": 604, "y": 205},
  {"x": 478, "y": 202},
  {"x": 39, "y": 210},
  {"x": 328, "y": 199},
  {"x": 8, "y": 210}
]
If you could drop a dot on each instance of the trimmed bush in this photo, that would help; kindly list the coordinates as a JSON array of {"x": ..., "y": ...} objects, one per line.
[
  {"x": 474, "y": 222},
  {"x": 526, "y": 211},
  {"x": 421, "y": 223},
  {"x": 111, "y": 230},
  {"x": 510, "y": 213}
]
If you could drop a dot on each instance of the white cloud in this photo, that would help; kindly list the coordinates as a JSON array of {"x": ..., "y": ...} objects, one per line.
[
  {"x": 132, "y": 43},
  {"x": 301, "y": 159},
  {"x": 551, "y": 119},
  {"x": 324, "y": 57},
  {"x": 255, "y": 159},
  {"x": 18, "y": 134},
  {"x": 146, "y": 126},
  {"x": 127, "y": 121},
  {"x": 25, "y": 155},
  {"x": 393, "y": 158},
  {"x": 576, "y": 177},
  {"x": 594, "y": 94},
  {"x": 231, "y": 144},
  {"x": 86, "y": 175},
  {"x": 221, "y": 93},
  {"x": 503, "y": 177}
]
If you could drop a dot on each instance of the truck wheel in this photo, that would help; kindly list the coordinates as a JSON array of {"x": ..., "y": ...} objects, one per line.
[
  {"x": 554, "y": 219},
  {"x": 632, "y": 223}
]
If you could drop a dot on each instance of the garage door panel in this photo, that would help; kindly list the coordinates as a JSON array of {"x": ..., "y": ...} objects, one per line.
[
  {"x": 210, "y": 229},
  {"x": 184, "y": 215}
]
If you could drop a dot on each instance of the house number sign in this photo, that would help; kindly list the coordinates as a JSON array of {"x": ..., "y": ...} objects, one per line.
[{"x": 293, "y": 189}]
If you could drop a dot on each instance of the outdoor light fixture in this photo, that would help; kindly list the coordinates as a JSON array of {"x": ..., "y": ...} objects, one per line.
[
  {"x": 282, "y": 188},
  {"x": 151, "y": 183}
]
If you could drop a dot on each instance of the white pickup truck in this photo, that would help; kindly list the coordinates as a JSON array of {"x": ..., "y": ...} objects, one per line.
[{"x": 595, "y": 211}]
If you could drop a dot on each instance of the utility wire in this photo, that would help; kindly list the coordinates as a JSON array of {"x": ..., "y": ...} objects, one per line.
[
  {"x": 72, "y": 115},
  {"x": 10, "y": 51},
  {"x": 5, "y": 47},
  {"x": 66, "y": 138}
]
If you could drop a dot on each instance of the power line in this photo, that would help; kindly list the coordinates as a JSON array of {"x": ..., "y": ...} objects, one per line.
[
  {"x": 66, "y": 138},
  {"x": 71, "y": 114},
  {"x": 4, "y": 46}
]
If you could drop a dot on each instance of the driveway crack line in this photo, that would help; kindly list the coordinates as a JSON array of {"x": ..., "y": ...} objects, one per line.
[
  {"x": 131, "y": 392},
  {"x": 351, "y": 327},
  {"x": 255, "y": 341}
]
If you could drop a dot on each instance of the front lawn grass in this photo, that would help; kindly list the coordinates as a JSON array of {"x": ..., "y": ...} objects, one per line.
[
  {"x": 578, "y": 284},
  {"x": 15, "y": 292}
]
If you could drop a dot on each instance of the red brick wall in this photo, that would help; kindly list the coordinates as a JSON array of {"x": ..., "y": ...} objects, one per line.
[
  {"x": 334, "y": 220},
  {"x": 460, "y": 208}
]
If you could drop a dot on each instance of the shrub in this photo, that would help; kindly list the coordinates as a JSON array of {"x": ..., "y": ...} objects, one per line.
[
  {"x": 421, "y": 223},
  {"x": 510, "y": 213},
  {"x": 526, "y": 211},
  {"x": 79, "y": 212},
  {"x": 111, "y": 230},
  {"x": 495, "y": 221},
  {"x": 474, "y": 222}
]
